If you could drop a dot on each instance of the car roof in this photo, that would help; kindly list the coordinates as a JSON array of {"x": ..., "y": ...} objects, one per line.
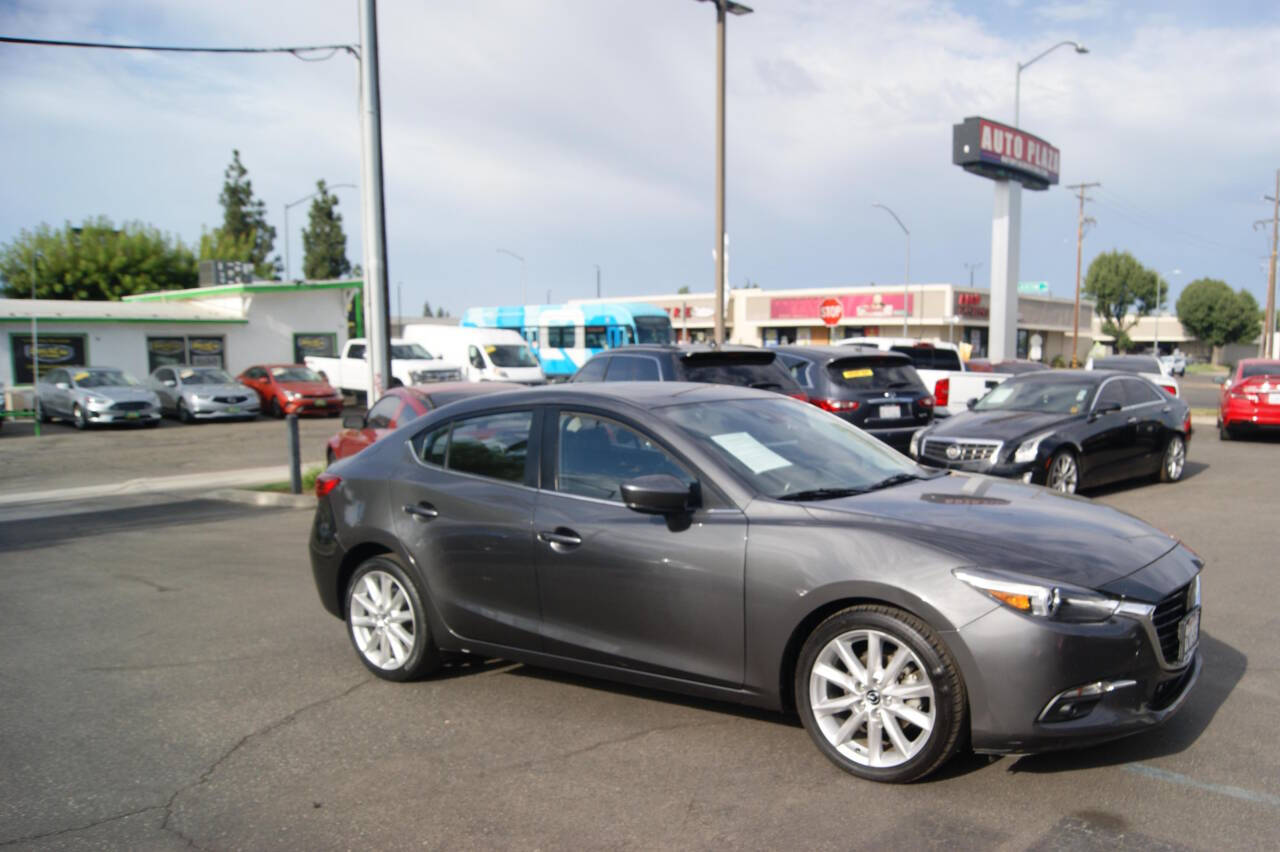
[
  {"x": 826, "y": 354},
  {"x": 459, "y": 390},
  {"x": 637, "y": 395},
  {"x": 1091, "y": 377},
  {"x": 682, "y": 348}
]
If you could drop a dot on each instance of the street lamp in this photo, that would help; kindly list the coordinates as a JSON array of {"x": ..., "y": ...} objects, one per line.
[
  {"x": 286, "y": 219},
  {"x": 597, "y": 266},
  {"x": 906, "y": 290},
  {"x": 1159, "y": 289},
  {"x": 1017, "y": 80},
  {"x": 35, "y": 346},
  {"x": 722, "y": 7},
  {"x": 971, "y": 267},
  {"x": 524, "y": 281}
]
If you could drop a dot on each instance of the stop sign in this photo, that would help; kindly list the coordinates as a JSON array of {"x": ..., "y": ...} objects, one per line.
[{"x": 831, "y": 311}]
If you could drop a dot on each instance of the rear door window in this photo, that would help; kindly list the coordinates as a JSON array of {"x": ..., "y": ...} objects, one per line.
[
  {"x": 495, "y": 446},
  {"x": 1139, "y": 392},
  {"x": 597, "y": 455},
  {"x": 632, "y": 368},
  {"x": 383, "y": 413},
  {"x": 874, "y": 373},
  {"x": 798, "y": 368},
  {"x": 592, "y": 371},
  {"x": 1112, "y": 393},
  {"x": 749, "y": 374}
]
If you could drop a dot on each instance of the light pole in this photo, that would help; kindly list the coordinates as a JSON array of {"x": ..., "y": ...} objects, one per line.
[
  {"x": 597, "y": 266},
  {"x": 286, "y": 220},
  {"x": 35, "y": 346},
  {"x": 906, "y": 289},
  {"x": 524, "y": 281},
  {"x": 971, "y": 267},
  {"x": 723, "y": 7},
  {"x": 1017, "y": 79},
  {"x": 1159, "y": 289}
]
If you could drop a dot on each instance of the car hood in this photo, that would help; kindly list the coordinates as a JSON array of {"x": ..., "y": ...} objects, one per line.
[
  {"x": 120, "y": 394},
  {"x": 218, "y": 390},
  {"x": 313, "y": 388},
  {"x": 996, "y": 523},
  {"x": 997, "y": 425}
]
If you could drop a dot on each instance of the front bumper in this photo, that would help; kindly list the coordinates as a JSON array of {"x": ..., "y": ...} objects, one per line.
[
  {"x": 899, "y": 438},
  {"x": 314, "y": 405},
  {"x": 110, "y": 413},
  {"x": 206, "y": 409},
  {"x": 1027, "y": 663},
  {"x": 1033, "y": 471}
]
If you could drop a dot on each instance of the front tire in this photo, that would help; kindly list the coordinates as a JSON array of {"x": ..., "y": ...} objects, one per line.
[
  {"x": 184, "y": 413},
  {"x": 880, "y": 694},
  {"x": 1064, "y": 472},
  {"x": 276, "y": 411},
  {"x": 387, "y": 623},
  {"x": 1175, "y": 459},
  {"x": 79, "y": 418}
]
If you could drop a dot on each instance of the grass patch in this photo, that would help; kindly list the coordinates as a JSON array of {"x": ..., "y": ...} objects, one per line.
[
  {"x": 308, "y": 483},
  {"x": 1205, "y": 370},
  {"x": 1205, "y": 412}
]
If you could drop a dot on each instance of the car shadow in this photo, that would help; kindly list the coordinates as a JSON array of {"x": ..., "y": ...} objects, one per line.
[
  {"x": 1223, "y": 668},
  {"x": 1189, "y": 469}
]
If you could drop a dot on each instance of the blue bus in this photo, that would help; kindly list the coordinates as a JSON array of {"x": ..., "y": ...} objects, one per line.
[{"x": 565, "y": 336}]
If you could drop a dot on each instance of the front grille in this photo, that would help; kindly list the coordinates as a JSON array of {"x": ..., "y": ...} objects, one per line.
[
  {"x": 423, "y": 376},
  {"x": 1168, "y": 692},
  {"x": 229, "y": 400},
  {"x": 966, "y": 451},
  {"x": 131, "y": 406},
  {"x": 1166, "y": 618}
]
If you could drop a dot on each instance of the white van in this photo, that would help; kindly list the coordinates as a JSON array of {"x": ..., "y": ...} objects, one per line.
[{"x": 486, "y": 354}]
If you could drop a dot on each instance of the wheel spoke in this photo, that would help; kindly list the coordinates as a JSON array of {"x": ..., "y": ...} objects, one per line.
[
  {"x": 400, "y": 617},
  {"x": 873, "y": 656},
  {"x": 896, "y": 736},
  {"x": 846, "y": 730},
  {"x": 366, "y": 604},
  {"x": 904, "y": 691},
  {"x": 874, "y": 748},
  {"x": 910, "y": 714},
  {"x": 396, "y": 646},
  {"x": 385, "y": 597},
  {"x": 897, "y": 663},
  {"x": 397, "y": 600},
  {"x": 835, "y": 705},
  {"x": 851, "y": 662},
  {"x": 401, "y": 634},
  {"x": 372, "y": 590},
  {"x": 362, "y": 620},
  {"x": 833, "y": 675}
]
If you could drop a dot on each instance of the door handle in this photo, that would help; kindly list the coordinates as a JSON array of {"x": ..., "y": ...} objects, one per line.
[
  {"x": 561, "y": 536},
  {"x": 422, "y": 511}
]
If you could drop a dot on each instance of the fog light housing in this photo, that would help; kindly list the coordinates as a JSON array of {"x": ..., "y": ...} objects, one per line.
[{"x": 1079, "y": 701}]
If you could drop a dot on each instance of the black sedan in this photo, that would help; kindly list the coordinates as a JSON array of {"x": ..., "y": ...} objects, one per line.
[
  {"x": 877, "y": 391},
  {"x": 603, "y": 529},
  {"x": 1066, "y": 429}
]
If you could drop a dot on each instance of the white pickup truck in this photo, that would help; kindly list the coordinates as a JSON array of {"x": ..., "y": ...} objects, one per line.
[
  {"x": 940, "y": 368},
  {"x": 411, "y": 364}
]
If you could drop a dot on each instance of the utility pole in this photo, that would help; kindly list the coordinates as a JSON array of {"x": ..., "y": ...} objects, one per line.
[
  {"x": 597, "y": 266},
  {"x": 1269, "y": 322},
  {"x": 971, "y": 267},
  {"x": 1080, "y": 220},
  {"x": 377, "y": 295}
]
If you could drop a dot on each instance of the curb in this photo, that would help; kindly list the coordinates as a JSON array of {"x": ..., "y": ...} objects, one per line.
[{"x": 264, "y": 498}]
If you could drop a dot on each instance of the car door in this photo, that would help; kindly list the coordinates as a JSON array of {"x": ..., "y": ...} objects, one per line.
[
  {"x": 463, "y": 506},
  {"x": 1147, "y": 407},
  {"x": 1108, "y": 444},
  {"x": 50, "y": 394},
  {"x": 166, "y": 392},
  {"x": 627, "y": 589}
]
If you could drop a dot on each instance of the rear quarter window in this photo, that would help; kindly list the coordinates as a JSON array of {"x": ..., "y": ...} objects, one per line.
[
  {"x": 771, "y": 376},
  {"x": 930, "y": 358},
  {"x": 869, "y": 374},
  {"x": 592, "y": 371}
]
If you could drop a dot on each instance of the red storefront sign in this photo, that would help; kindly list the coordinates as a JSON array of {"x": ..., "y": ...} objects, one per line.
[{"x": 861, "y": 306}]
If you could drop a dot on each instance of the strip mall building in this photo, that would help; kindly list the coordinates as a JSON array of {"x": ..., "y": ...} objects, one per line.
[{"x": 822, "y": 315}]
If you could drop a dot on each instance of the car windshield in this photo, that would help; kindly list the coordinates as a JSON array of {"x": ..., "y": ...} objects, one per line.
[
  {"x": 1128, "y": 364},
  {"x": 104, "y": 379},
  {"x": 653, "y": 330},
  {"x": 789, "y": 450},
  {"x": 294, "y": 374},
  {"x": 510, "y": 355},
  {"x": 206, "y": 376},
  {"x": 410, "y": 352},
  {"x": 1057, "y": 397},
  {"x": 927, "y": 357},
  {"x": 1267, "y": 368},
  {"x": 874, "y": 373}
]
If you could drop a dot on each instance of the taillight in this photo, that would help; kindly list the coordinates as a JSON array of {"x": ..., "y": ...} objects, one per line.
[
  {"x": 1172, "y": 390},
  {"x": 326, "y": 482},
  {"x": 836, "y": 405},
  {"x": 1186, "y": 424},
  {"x": 800, "y": 395},
  {"x": 927, "y": 402},
  {"x": 942, "y": 391}
]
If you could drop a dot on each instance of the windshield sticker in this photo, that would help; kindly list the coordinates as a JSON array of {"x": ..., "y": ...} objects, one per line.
[
  {"x": 80, "y": 377},
  {"x": 1081, "y": 394},
  {"x": 999, "y": 394},
  {"x": 857, "y": 374},
  {"x": 186, "y": 374},
  {"x": 1075, "y": 409},
  {"x": 746, "y": 449},
  {"x": 491, "y": 349}
]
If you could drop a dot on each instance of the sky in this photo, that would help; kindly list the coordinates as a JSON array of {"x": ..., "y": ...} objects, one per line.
[{"x": 581, "y": 133}]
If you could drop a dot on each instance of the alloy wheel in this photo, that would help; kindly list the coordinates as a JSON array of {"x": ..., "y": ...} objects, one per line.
[
  {"x": 382, "y": 621},
  {"x": 1063, "y": 474},
  {"x": 872, "y": 698},
  {"x": 1175, "y": 457},
  {"x": 80, "y": 419}
]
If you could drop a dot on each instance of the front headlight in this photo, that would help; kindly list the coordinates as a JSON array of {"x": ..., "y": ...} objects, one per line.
[
  {"x": 292, "y": 395},
  {"x": 915, "y": 444},
  {"x": 1042, "y": 600},
  {"x": 1030, "y": 448}
]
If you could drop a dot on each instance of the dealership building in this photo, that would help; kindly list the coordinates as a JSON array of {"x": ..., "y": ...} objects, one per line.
[
  {"x": 231, "y": 326},
  {"x": 927, "y": 311}
]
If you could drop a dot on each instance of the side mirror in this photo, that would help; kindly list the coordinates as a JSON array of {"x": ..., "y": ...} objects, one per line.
[
  {"x": 353, "y": 421},
  {"x": 971, "y": 403},
  {"x": 660, "y": 494},
  {"x": 1105, "y": 408},
  {"x": 62, "y": 385}
]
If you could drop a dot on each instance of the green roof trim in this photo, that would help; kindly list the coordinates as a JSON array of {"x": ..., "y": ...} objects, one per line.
[
  {"x": 233, "y": 289},
  {"x": 162, "y": 320}
]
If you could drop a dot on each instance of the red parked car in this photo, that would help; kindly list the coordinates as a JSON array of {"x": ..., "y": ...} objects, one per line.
[
  {"x": 1250, "y": 398},
  {"x": 291, "y": 389},
  {"x": 397, "y": 407}
]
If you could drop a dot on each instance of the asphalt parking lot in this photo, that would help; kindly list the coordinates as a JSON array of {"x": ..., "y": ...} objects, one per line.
[{"x": 169, "y": 680}]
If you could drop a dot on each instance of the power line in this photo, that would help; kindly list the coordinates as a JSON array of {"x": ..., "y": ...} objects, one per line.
[
  {"x": 1138, "y": 216},
  {"x": 296, "y": 52}
]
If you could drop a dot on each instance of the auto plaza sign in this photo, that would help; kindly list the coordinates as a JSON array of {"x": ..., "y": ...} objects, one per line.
[{"x": 997, "y": 151}]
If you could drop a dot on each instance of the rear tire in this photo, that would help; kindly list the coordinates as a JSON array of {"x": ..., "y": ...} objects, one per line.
[
  {"x": 1174, "y": 459},
  {"x": 891, "y": 703},
  {"x": 387, "y": 623},
  {"x": 329, "y": 458},
  {"x": 1224, "y": 432}
]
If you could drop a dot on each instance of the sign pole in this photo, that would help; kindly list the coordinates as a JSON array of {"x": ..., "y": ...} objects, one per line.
[{"x": 35, "y": 348}]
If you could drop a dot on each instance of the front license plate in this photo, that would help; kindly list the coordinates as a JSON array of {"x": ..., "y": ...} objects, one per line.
[
  {"x": 233, "y": 409},
  {"x": 1190, "y": 632},
  {"x": 1273, "y": 399},
  {"x": 321, "y": 403},
  {"x": 891, "y": 412},
  {"x": 132, "y": 415}
]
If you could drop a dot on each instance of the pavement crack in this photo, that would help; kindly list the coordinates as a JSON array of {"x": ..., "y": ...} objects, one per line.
[
  {"x": 144, "y": 581},
  {"x": 611, "y": 741},
  {"x": 226, "y": 755},
  {"x": 45, "y": 835}
]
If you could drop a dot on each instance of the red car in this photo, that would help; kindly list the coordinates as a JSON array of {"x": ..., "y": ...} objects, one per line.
[
  {"x": 1250, "y": 398},
  {"x": 397, "y": 407},
  {"x": 291, "y": 389}
]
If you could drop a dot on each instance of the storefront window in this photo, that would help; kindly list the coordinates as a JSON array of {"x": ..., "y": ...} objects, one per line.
[
  {"x": 321, "y": 344},
  {"x": 56, "y": 350},
  {"x": 977, "y": 338},
  {"x": 1023, "y": 336},
  {"x": 778, "y": 336}
]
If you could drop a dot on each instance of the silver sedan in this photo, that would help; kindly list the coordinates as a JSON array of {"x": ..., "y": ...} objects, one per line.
[
  {"x": 203, "y": 393},
  {"x": 88, "y": 395}
]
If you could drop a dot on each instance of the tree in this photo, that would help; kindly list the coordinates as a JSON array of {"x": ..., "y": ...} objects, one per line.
[
  {"x": 426, "y": 309},
  {"x": 95, "y": 261},
  {"x": 324, "y": 243},
  {"x": 683, "y": 291},
  {"x": 1211, "y": 312},
  {"x": 244, "y": 223},
  {"x": 1122, "y": 290},
  {"x": 441, "y": 312}
]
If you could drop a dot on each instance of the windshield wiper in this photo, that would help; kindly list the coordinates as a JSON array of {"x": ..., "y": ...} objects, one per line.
[
  {"x": 821, "y": 494},
  {"x": 896, "y": 479},
  {"x": 900, "y": 384}
]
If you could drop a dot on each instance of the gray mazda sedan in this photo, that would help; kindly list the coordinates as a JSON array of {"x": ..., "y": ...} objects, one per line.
[{"x": 742, "y": 546}]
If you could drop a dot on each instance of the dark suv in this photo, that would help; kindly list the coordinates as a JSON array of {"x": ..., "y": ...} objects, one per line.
[
  {"x": 875, "y": 390},
  {"x": 744, "y": 366}
]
